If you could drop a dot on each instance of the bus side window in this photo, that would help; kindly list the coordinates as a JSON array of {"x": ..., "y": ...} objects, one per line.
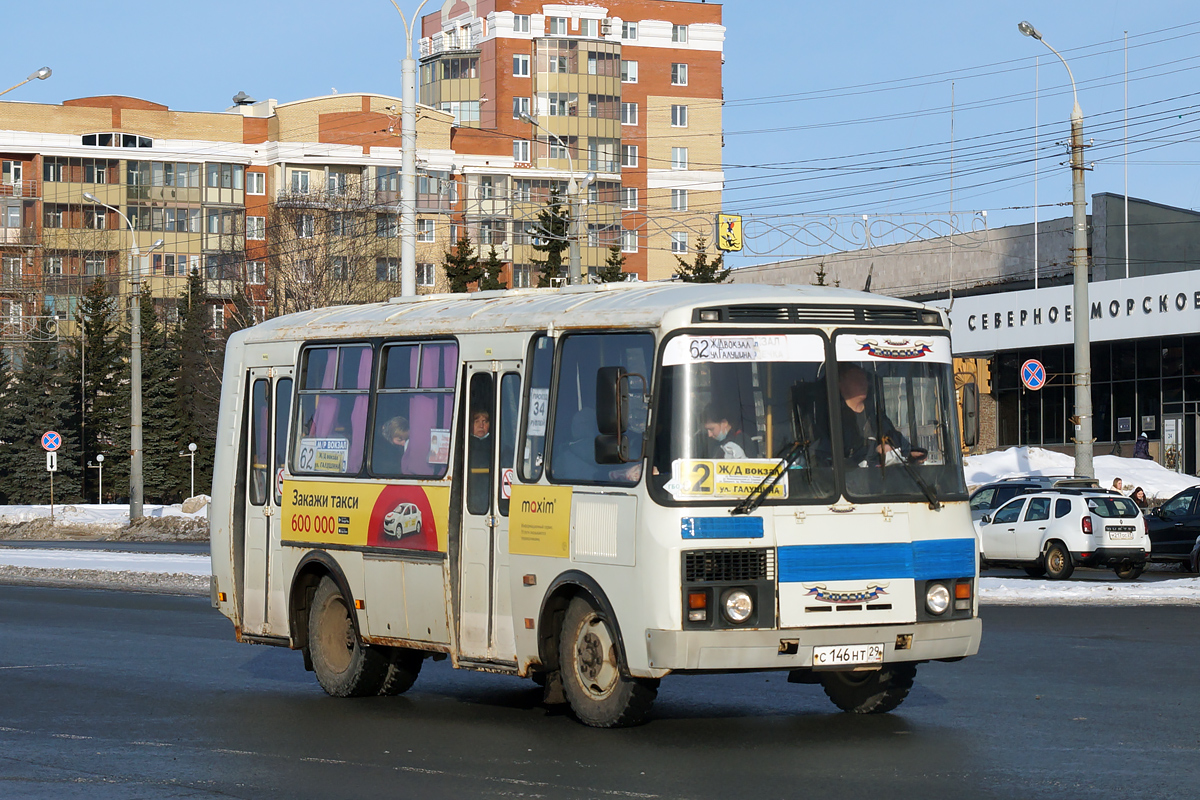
[
  {"x": 260, "y": 431},
  {"x": 333, "y": 400},
  {"x": 414, "y": 406},
  {"x": 283, "y": 414},
  {"x": 510, "y": 396},
  {"x": 537, "y": 408}
]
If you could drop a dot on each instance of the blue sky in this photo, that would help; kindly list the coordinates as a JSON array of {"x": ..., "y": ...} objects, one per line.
[{"x": 830, "y": 108}]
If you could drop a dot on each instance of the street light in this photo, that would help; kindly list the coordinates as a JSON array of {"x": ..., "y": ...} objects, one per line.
[
  {"x": 100, "y": 466},
  {"x": 408, "y": 161},
  {"x": 1080, "y": 307},
  {"x": 135, "y": 362},
  {"x": 40, "y": 75},
  {"x": 191, "y": 453},
  {"x": 574, "y": 273}
]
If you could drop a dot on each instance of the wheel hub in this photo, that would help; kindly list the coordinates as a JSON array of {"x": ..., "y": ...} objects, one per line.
[{"x": 596, "y": 659}]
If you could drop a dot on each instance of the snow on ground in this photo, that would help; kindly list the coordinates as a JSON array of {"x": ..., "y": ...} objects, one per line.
[
  {"x": 106, "y": 561},
  {"x": 1158, "y": 481},
  {"x": 1026, "y": 592},
  {"x": 109, "y": 515}
]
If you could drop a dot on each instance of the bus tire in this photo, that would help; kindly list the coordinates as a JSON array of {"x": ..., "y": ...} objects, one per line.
[
  {"x": 599, "y": 695},
  {"x": 344, "y": 667},
  {"x": 875, "y": 692},
  {"x": 403, "y": 667},
  {"x": 1058, "y": 562}
]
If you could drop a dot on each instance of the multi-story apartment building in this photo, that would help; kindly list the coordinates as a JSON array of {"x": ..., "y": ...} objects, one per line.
[
  {"x": 627, "y": 90},
  {"x": 292, "y": 204}
]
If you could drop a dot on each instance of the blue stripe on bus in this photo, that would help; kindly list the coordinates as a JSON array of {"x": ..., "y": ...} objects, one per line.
[
  {"x": 920, "y": 560},
  {"x": 742, "y": 527}
]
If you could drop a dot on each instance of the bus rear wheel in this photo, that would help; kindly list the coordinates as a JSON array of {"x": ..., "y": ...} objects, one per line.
[
  {"x": 596, "y": 690},
  {"x": 344, "y": 667},
  {"x": 402, "y": 670},
  {"x": 875, "y": 692}
]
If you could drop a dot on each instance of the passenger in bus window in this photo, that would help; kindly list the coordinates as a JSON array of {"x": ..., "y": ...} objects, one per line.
[
  {"x": 387, "y": 459},
  {"x": 867, "y": 433},
  {"x": 728, "y": 441},
  {"x": 479, "y": 461}
]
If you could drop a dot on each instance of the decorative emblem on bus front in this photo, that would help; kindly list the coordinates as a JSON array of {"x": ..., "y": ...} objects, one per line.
[
  {"x": 896, "y": 349},
  {"x": 866, "y": 595}
]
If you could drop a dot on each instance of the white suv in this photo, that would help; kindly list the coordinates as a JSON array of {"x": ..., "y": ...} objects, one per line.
[{"x": 1053, "y": 531}]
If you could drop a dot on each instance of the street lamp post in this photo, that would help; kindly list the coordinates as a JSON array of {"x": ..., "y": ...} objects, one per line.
[
  {"x": 408, "y": 161},
  {"x": 574, "y": 271},
  {"x": 191, "y": 453},
  {"x": 135, "y": 362},
  {"x": 39, "y": 75},
  {"x": 1080, "y": 307},
  {"x": 99, "y": 465}
]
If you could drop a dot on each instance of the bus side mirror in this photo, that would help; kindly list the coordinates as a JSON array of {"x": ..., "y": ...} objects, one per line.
[{"x": 620, "y": 416}]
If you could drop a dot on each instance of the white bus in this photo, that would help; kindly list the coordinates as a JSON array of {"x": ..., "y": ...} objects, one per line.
[{"x": 598, "y": 486}]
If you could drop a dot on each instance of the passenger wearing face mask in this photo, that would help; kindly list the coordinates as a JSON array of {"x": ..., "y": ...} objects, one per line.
[{"x": 727, "y": 441}]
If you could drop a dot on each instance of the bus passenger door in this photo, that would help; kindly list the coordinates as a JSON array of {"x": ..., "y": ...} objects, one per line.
[
  {"x": 263, "y": 589},
  {"x": 485, "y": 615}
]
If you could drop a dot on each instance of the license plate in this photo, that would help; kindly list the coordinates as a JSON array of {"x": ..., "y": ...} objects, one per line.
[
  {"x": 841, "y": 655},
  {"x": 1120, "y": 533}
]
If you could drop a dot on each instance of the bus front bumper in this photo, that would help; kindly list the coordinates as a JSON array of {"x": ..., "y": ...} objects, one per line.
[{"x": 791, "y": 648}]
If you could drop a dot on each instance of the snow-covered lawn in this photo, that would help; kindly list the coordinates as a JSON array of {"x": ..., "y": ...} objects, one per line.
[
  {"x": 107, "y": 516},
  {"x": 1155, "y": 479}
]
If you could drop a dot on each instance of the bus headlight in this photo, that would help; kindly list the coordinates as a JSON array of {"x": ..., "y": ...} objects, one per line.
[
  {"x": 738, "y": 605},
  {"x": 937, "y": 598}
]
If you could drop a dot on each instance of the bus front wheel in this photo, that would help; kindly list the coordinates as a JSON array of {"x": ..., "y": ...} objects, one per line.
[
  {"x": 875, "y": 692},
  {"x": 598, "y": 693},
  {"x": 344, "y": 667}
]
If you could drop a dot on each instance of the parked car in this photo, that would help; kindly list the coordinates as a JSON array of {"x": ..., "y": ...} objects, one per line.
[
  {"x": 991, "y": 496},
  {"x": 1051, "y": 532},
  {"x": 402, "y": 520},
  {"x": 1175, "y": 526},
  {"x": 1195, "y": 559}
]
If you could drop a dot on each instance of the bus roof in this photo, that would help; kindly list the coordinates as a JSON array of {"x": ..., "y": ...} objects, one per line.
[{"x": 632, "y": 305}]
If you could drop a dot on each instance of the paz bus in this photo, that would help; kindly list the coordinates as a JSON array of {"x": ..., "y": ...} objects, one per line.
[{"x": 599, "y": 486}]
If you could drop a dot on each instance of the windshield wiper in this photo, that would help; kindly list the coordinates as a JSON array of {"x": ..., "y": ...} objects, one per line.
[
  {"x": 906, "y": 462},
  {"x": 795, "y": 450}
]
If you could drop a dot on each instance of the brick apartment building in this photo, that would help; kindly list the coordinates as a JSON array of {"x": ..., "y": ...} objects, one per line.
[{"x": 629, "y": 90}]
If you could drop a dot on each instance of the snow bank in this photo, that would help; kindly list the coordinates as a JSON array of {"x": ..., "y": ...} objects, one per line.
[
  {"x": 106, "y": 561},
  {"x": 109, "y": 515},
  {"x": 1157, "y": 480},
  {"x": 1019, "y": 591}
]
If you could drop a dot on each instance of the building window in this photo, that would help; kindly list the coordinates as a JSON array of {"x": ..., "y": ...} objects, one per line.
[
  {"x": 218, "y": 317},
  {"x": 522, "y": 275},
  {"x": 53, "y": 265},
  {"x": 306, "y": 226},
  {"x": 520, "y": 106},
  {"x": 53, "y": 169},
  {"x": 520, "y": 23},
  {"x": 558, "y": 26},
  {"x": 628, "y": 71},
  {"x": 387, "y": 226},
  {"x": 629, "y": 155},
  {"x": 679, "y": 242},
  {"x": 299, "y": 182},
  {"x": 679, "y": 200},
  {"x": 53, "y": 216},
  {"x": 679, "y": 74},
  {"x": 679, "y": 158},
  {"x": 424, "y": 230},
  {"x": 256, "y": 183},
  {"x": 256, "y": 228},
  {"x": 521, "y": 151},
  {"x": 95, "y": 218},
  {"x": 628, "y": 241},
  {"x": 256, "y": 272},
  {"x": 679, "y": 34},
  {"x": 520, "y": 66},
  {"x": 589, "y": 27},
  {"x": 387, "y": 269},
  {"x": 629, "y": 113},
  {"x": 629, "y": 198},
  {"x": 93, "y": 266},
  {"x": 12, "y": 217},
  {"x": 425, "y": 274},
  {"x": 629, "y": 31},
  {"x": 679, "y": 116}
]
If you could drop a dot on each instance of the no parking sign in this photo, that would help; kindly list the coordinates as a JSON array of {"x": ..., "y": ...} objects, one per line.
[{"x": 1033, "y": 374}]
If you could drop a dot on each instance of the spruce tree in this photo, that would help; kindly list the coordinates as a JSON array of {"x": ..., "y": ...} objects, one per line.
[
  {"x": 99, "y": 386},
  {"x": 490, "y": 281},
  {"x": 198, "y": 385},
  {"x": 163, "y": 479},
  {"x": 701, "y": 270},
  {"x": 613, "y": 269},
  {"x": 553, "y": 237},
  {"x": 6, "y": 405},
  {"x": 462, "y": 265},
  {"x": 42, "y": 401}
]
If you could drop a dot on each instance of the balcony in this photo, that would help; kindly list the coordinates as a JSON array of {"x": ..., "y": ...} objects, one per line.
[
  {"x": 25, "y": 237},
  {"x": 352, "y": 196},
  {"x": 453, "y": 41},
  {"x": 28, "y": 189}
]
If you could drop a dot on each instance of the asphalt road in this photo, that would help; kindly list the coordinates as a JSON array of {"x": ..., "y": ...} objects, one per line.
[{"x": 106, "y": 694}]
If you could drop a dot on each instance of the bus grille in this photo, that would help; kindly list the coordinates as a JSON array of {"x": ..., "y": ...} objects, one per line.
[{"x": 701, "y": 566}]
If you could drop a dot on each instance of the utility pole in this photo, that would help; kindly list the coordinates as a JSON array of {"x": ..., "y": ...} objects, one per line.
[{"x": 408, "y": 161}]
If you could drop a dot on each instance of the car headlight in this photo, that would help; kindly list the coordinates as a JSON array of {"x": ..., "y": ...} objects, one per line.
[
  {"x": 738, "y": 605},
  {"x": 937, "y": 598}
]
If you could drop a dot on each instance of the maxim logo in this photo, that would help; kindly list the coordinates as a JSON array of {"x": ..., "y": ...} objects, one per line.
[
  {"x": 537, "y": 506},
  {"x": 865, "y": 595},
  {"x": 896, "y": 349}
]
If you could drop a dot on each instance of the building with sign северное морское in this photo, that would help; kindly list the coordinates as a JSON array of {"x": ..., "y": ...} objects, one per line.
[{"x": 1144, "y": 316}]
